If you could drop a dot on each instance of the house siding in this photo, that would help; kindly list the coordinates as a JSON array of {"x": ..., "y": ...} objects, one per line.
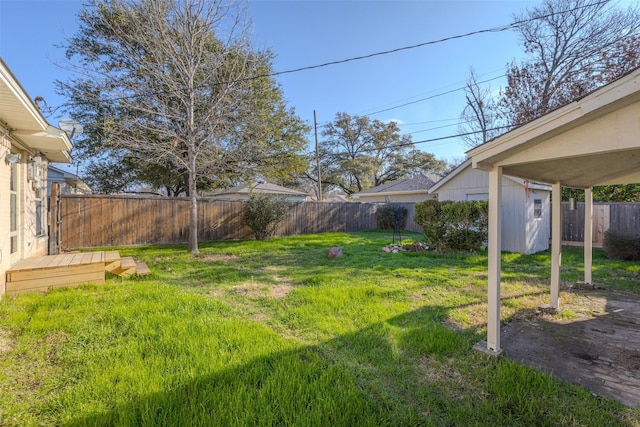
[
  {"x": 5, "y": 244},
  {"x": 393, "y": 198},
  {"x": 30, "y": 243}
]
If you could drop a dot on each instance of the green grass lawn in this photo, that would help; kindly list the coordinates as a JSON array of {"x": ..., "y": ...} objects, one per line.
[{"x": 273, "y": 333}]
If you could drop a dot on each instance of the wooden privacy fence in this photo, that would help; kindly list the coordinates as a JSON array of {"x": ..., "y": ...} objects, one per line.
[
  {"x": 622, "y": 217},
  {"x": 99, "y": 220}
]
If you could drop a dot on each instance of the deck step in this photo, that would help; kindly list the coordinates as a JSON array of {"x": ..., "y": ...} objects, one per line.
[
  {"x": 142, "y": 269},
  {"x": 112, "y": 260},
  {"x": 127, "y": 267},
  {"x": 72, "y": 269}
]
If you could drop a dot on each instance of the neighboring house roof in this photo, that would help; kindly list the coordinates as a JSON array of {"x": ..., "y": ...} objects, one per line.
[
  {"x": 27, "y": 124},
  {"x": 338, "y": 198},
  {"x": 467, "y": 163},
  {"x": 415, "y": 184},
  {"x": 262, "y": 188},
  {"x": 59, "y": 175}
]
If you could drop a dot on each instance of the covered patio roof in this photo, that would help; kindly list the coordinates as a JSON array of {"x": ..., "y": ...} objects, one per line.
[
  {"x": 592, "y": 141},
  {"x": 595, "y": 140}
]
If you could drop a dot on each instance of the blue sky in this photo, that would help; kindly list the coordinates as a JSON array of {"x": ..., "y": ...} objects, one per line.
[{"x": 305, "y": 33}]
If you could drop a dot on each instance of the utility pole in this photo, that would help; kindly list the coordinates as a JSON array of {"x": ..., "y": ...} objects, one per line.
[{"x": 315, "y": 127}]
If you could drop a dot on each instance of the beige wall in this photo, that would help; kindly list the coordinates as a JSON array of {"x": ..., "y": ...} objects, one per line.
[
  {"x": 29, "y": 242},
  {"x": 5, "y": 261}
]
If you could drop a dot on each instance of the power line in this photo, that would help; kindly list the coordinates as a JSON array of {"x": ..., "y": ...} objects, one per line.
[
  {"x": 429, "y": 121},
  {"x": 501, "y": 28},
  {"x": 440, "y": 138},
  {"x": 497, "y": 29},
  {"x": 430, "y": 97},
  {"x": 400, "y": 49}
]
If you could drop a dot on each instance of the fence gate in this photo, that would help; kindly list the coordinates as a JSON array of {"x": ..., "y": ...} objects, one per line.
[{"x": 55, "y": 220}]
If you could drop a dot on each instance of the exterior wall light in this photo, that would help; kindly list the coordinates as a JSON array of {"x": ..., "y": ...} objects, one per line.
[{"x": 12, "y": 158}]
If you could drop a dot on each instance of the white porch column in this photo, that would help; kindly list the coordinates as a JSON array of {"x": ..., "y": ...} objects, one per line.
[
  {"x": 588, "y": 238},
  {"x": 556, "y": 243},
  {"x": 494, "y": 250}
]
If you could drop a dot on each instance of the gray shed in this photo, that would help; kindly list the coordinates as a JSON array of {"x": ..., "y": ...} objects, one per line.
[{"x": 525, "y": 205}]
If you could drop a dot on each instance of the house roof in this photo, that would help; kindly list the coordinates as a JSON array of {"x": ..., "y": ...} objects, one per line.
[
  {"x": 69, "y": 178},
  {"x": 262, "y": 188},
  {"x": 419, "y": 183},
  {"x": 25, "y": 122},
  {"x": 590, "y": 141},
  {"x": 467, "y": 163}
]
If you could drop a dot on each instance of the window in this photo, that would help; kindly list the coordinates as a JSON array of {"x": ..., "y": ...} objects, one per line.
[{"x": 537, "y": 208}]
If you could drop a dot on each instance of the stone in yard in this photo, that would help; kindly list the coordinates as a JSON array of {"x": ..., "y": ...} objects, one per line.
[
  {"x": 334, "y": 252},
  {"x": 416, "y": 247}
]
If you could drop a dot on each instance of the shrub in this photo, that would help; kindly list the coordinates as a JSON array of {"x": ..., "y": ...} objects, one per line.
[
  {"x": 392, "y": 217},
  {"x": 622, "y": 246},
  {"x": 453, "y": 226},
  {"x": 262, "y": 213},
  {"x": 429, "y": 218}
]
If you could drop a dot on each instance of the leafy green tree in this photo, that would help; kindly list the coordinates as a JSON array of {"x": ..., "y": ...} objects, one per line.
[
  {"x": 359, "y": 153},
  {"x": 606, "y": 193},
  {"x": 177, "y": 84}
]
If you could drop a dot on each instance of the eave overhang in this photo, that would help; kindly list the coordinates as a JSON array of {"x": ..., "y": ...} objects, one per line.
[{"x": 26, "y": 124}]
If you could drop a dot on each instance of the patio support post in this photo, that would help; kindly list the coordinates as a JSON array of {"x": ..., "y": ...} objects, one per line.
[
  {"x": 494, "y": 248},
  {"x": 556, "y": 243},
  {"x": 588, "y": 238}
]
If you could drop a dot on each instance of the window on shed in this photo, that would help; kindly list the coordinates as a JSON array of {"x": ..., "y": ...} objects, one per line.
[{"x": 537, "y": 208}]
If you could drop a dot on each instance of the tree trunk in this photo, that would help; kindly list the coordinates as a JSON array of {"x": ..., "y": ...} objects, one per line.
[{"x": 193, "y": 207}]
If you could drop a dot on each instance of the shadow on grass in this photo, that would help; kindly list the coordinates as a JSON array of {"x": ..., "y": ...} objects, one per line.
[{"x": 408, "y": 370}]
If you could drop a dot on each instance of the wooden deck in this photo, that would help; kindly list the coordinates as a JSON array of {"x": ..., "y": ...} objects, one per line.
[{"x": 52, "y": 271}]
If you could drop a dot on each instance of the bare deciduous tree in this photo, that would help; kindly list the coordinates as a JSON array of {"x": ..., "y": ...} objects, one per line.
[
  {"x": 479, "y": 121},
  {"x": 566, "y": 41}
]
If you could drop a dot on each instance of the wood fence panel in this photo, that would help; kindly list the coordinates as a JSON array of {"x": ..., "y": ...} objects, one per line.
[
  {"x": 623, "y": 217},
  {"x": 96, "y": 220},
  {"x": 90, "y": 221}
]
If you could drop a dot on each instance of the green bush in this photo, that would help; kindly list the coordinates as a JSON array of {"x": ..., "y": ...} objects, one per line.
[
  {"x": 453, "y": 226},
  {"x": 622, "y": 246},
  {"x": 262, "y": 213},
  {"x": 392, "y": 217}
]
